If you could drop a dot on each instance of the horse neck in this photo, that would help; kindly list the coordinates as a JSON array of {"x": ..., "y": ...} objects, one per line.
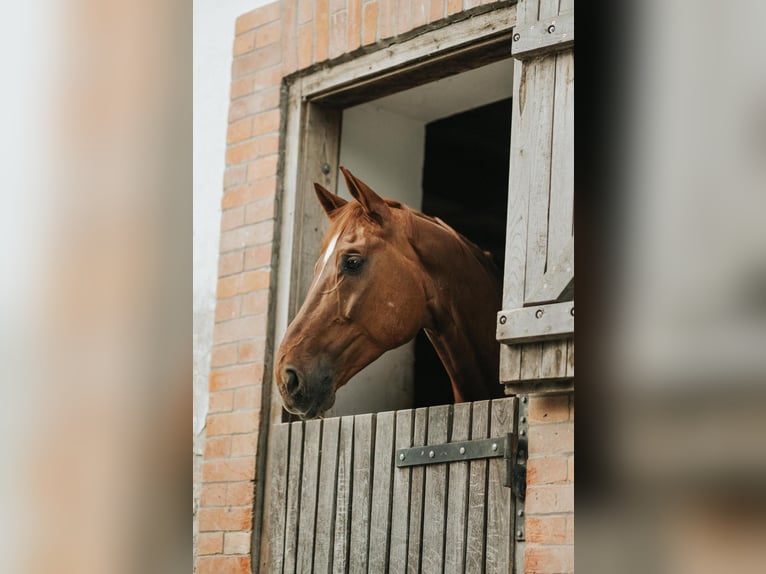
[{"x": 464, "y": 296}]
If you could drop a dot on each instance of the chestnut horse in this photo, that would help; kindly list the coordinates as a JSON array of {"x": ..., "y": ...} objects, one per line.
[{"x": 384, "y": 273}]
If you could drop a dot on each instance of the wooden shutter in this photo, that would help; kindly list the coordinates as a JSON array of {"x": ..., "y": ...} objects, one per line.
[{"x": 536, "y": 324}]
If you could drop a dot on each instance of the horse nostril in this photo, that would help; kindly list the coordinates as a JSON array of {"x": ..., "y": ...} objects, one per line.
[{"x": 292, "y": 382}]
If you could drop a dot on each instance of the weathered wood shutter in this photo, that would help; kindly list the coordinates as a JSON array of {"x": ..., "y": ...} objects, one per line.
[
  {"x": 339, "y": 503},
  {"x": 536, "y": 323}
]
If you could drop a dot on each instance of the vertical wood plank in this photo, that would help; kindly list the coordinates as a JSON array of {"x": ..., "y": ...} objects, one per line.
[
  {"x": 457, "y": 500},
  {"x": 325, "y": 514},
  {"x": 554, "y": 360},
  {"x": 570, "y": 358},
  {"x": 308, "y": 505},
  {"x": 343, "y": 496},
  {"x": 279, "y": 453},
  {"x": 531, "y": 361},
  {"x": 400, "y": 503},
  {"x": 417, "y": 484},
  {"x": 499, "y": 509},
  {"x": 364, "y": 434},
  {"x": 477, "y": 490},
  {"x": 293, "y": 496},
  {"x": 435, "y": 499},
  {"x": 382, "y": 488}
]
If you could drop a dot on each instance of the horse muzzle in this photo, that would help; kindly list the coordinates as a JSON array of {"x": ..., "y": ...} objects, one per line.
[{"x": 307, "y": 397}]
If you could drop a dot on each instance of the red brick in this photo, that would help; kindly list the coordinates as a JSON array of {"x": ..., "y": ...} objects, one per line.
[
  {"x": 240, "y": 493},
  {"x": 269, "y": 34},
  {"x": 322, "y": 30},
  {"x": 221, "y": 401},
  {"x": 259, "y": 256},
  {"x": 230, "y": 263},
  {"x": 305, "y": 46},
  {"x": 210, "y": 543},
  {"x": 546, "y": 529},
  {"x": 223, "y": 565},
  {"x": 223, "y": 355},
  {"x": 237, "y": 543},
  {"x": 549, "y": 409},
  {"x": 217, "y": 447},
  {"x": 244, "y": 43},
  {"x": 548, "y": 559},
  {"x": 232, "y": 423},
  {"x": 239, "y": 130},
  {"x": 262, "y": 168},
  {"x": 551, "y": 439},
  {"x": 247, "y": 398},
  {"x": 550, "y": 499},
  {"x": 244, "y": 444},
  {"x": 259, "y": 211},
  {"x": 234, "y": 175},
  {"x": 228, "y": 470},
  {"x": 546, "y": 470},
  {"x": 250, "y": 192},
  {"x": 257, "y": 60},
  {"x": 243, "y": 283},
  {"x": 241, "y": 153},
  {"x": 234, "y": 377},
  {"x": 232, "y": 218},
  {"x": 253, "y": 104},
  {"x": 241, "y": 87},
  {"x": 354, "y": 25},
  {"x": 258, "y": 17},
  {"x": 454, "y": 6},
  {"x": 252, "y": 351},
  {"x": 305, "y": 11},
  {"x": 246, "y": 236},
  {"x": 337, "y": 34},
  {"x": 419, "y": 13},
  {"x": 212, "y": 495},
  {"x": 370, "y": 23}
]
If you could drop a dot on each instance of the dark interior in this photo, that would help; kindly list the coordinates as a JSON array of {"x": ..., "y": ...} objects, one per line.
[{"x": 465, "y": 183}]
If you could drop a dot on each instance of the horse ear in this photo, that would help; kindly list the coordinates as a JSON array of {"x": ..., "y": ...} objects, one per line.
[
  {"x": 330, "y": 202},
  {"x": 373, "y": 204}
]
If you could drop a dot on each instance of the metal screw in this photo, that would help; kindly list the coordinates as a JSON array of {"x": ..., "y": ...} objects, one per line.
[
  {"x": 431, "y": 454},
  {"x": 516, "y": 37},
  {"x": 503, "y": 319},
  {"x": 519, "y": 533},
  {"x": 521, "y": 513},
  {"x": 325, "y": 168},
  {"x": 524, "y": 400},
  {"x": 572, "y": 312},
  {"x": 523, "y": 432},
  {"x": 523, "y": 419},
  {"x": 494, "y": 446},
  {"x": 539, "y": 313},
  {"x": 462, "y": 450},
  {"x": 401, "y": 456},
  {"x": 551, "y": 29}
]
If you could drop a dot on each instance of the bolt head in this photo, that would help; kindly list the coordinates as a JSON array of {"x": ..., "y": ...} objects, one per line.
[
  {"x": 462, "y": 450},
  {"x": 523, "y": 432},
  {"x": 325, "y": 168},
  {"x": 539, "y": 313},
  {"x": 494, "y": 446},
  {"x": 524, "y": 399},
  {"x": 503, "y": 319},
  {"x": 521, "y": 513},
  {"x": 523, "y": 419},
  {"x": 551, "y": 29},
  {"x": 519, "y": 533},
  {"x": 431, "y": 454},
  {"x": 572, "y": 312},
  {"x": 401, "y": 456},
  {"x": 516, "y": 37}
]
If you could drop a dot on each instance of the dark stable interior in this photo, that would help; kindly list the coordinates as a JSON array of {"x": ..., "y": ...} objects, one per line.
[{"x": 465, "y": 183}]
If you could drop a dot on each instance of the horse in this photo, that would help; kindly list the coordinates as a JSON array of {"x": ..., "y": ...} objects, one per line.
[{"x": 384, "y": 273}]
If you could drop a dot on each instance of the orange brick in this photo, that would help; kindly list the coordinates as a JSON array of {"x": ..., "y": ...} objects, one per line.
[
  {"x": 403, "y": 22},
  {"x": 212, "y": 495},
  {"x": 370, "y": 23},
  {"x": 546, "y": 470},
  {"x": 289, "y": 39},
  {"x": 250, "y": 192},
  {"x": 217, "y": 447},
  {"x": 254, "y": 104},
  {"x": 234, "y": 175},
  {"x": 337, "y": 34},
  {"x": 233, "y": 217},
  {"x": 240, "y": 130},
  {"x": 546, "y": 529},
  {"x": 231, "y": 423},
  {"x": 240, "y": 153},
  {"x": 268, "y": 121},
  {"x": 437, "y": 10},
  {"x": 549, "y": 409},
  {"x": 221, "y": 401},
  {"x": 230, "y": 263},
  {"x": 305, "y": 11},
  {"x": 267, "y": 78},
  {"x": 244, "y": 43},
  {"x": 237, "y": 543},
  {"x": 551, "y": 439},
  {"x": 223, "y": 355},
  {"x": 337, "y": 6},
  {"x": 247, "y": 398},
  {"x": 387, "y": 18},
  {"x": 468, "y": 4},
  {"x": 569, "y": 539},
  {"x": 305, "y": 46},
  {"x": 570, "y": 465},
  {"x": 454, "y": 6},
  {"x": 244, "y": 444},
  {"x": 252, "y": 351},
  {"x": 224, "y": 471},
  {"x": 550, "y": 499},
  {"x": 227, "y": 309},
  {"x": 255, "y": 303},
  {"x": 322, "y": 30},
  {"x": 260, "y": 58},
  {"x": 233, "y": 377},
  {"x": 548, "y": 559},
  {"x": 246, "y": 236},
  {"x": 268, "y": 144},
  {"x": 260, "y": 211},
  {"x": 262, "y": 168},
  {"x": 419, "y": 13},
  {"x": 240, "y": 493},
  {"x": 241, "y": 87},
  {"x": 354, "y": 25},
  {"x": 223, "y": 565},
  {"x": 240, "y": 329},
  {"x": 258, "y": 17},
  {"x": 268, "y": 34},
  {"x": 258, "y": 257},
  {"x": 210, "y": 543}
]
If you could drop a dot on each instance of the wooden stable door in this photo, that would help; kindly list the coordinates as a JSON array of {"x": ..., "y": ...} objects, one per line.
[{"x": 338, "y": 502}]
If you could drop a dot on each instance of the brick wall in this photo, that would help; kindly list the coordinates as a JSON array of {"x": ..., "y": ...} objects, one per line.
[
  {"x": 550, "y": 486},
  {"x": 270, "y": 43}
]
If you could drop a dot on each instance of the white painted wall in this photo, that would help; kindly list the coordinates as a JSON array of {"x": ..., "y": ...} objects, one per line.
[{"x": 212, "y": 50}]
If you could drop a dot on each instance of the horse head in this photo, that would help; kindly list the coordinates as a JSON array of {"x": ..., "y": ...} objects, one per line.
[{"x": 367, "y": 297}]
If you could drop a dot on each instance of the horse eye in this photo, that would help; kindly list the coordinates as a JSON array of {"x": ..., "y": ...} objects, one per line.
[{"x": 352, "y": 263}]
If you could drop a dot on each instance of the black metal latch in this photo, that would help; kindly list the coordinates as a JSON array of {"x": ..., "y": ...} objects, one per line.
[{"x": 506, "y": 447}]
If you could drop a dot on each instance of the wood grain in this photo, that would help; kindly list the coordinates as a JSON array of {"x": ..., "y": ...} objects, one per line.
[{"x": 382, "y": 489}]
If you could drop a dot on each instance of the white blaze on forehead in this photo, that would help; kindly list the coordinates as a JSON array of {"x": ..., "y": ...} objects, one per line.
[{"x": 329, "y": 251}]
